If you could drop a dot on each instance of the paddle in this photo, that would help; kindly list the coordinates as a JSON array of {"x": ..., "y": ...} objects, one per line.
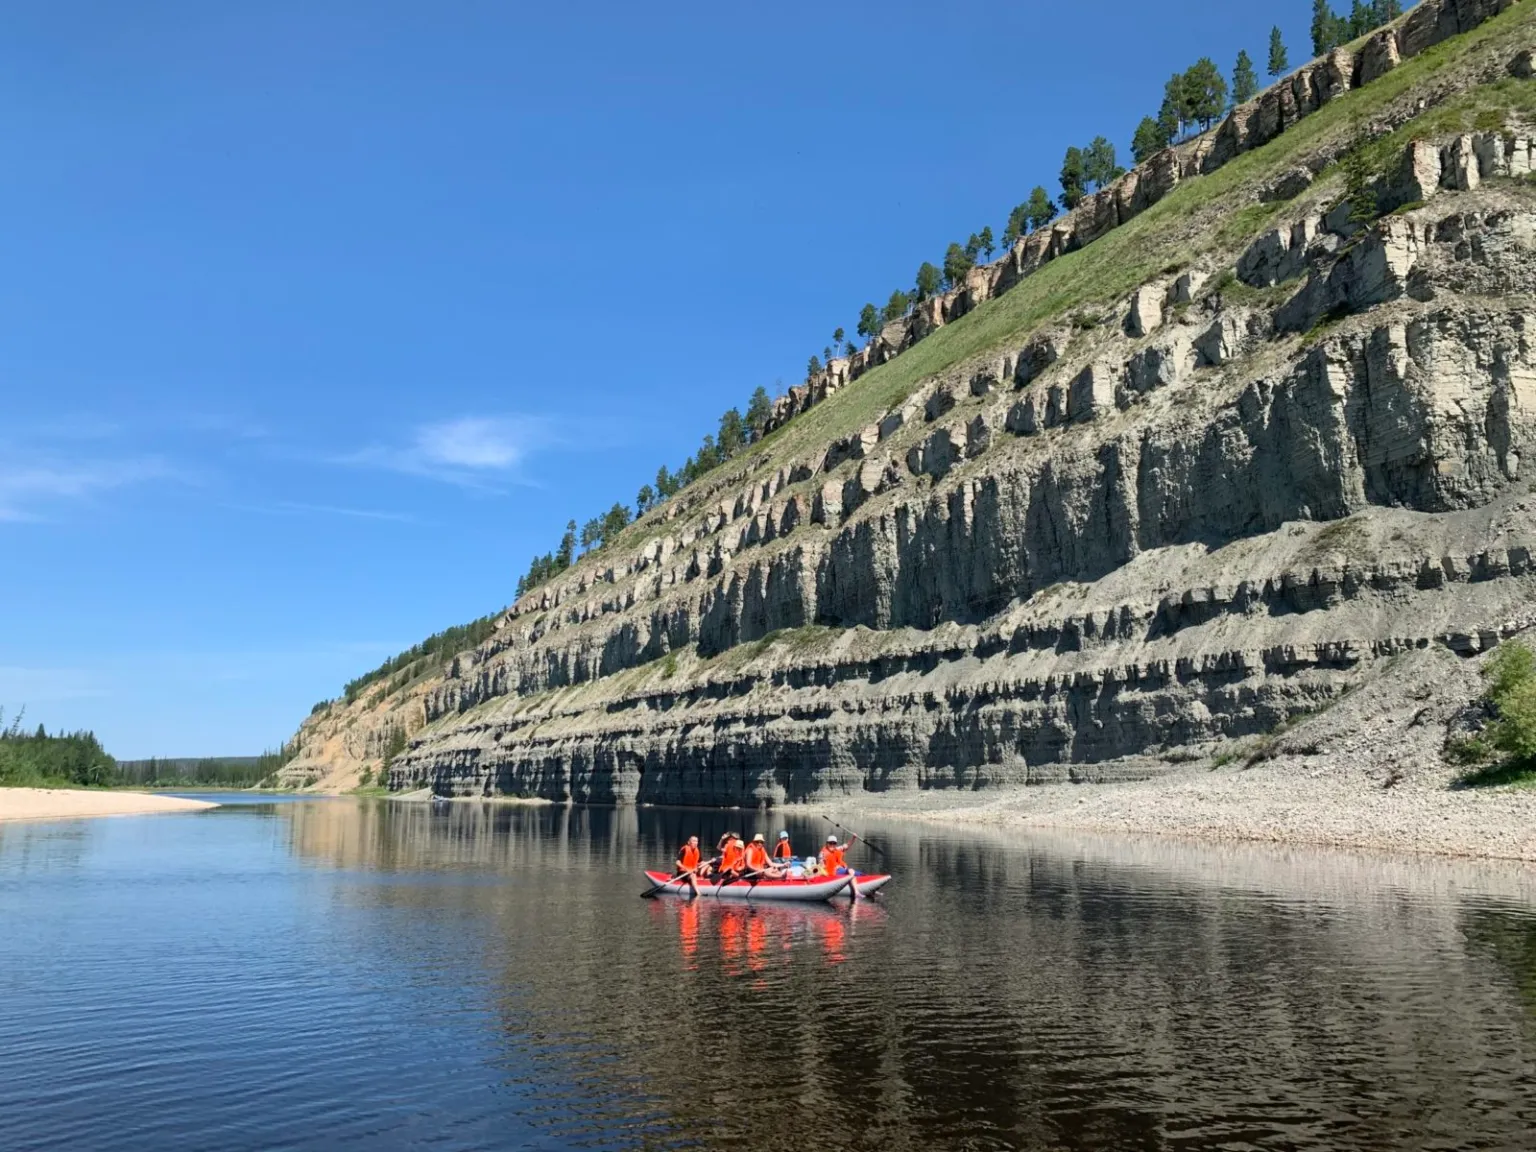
[
  {"x": 847, "y": 832},
  {"x": 655, "y": 887}
]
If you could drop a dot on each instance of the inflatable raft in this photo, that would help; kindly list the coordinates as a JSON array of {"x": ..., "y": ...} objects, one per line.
[{"x": 819, "y": 889}]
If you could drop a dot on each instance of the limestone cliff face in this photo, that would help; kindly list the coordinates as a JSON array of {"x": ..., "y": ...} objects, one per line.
[{"x": 1100, "y": 543}]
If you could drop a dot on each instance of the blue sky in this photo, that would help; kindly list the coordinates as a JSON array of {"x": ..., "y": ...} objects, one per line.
[{"x": 317, "y": 320}]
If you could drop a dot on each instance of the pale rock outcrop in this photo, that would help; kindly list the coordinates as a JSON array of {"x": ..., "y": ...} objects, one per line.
[
  {"x": 1092, "y": 391},
  {"x": 1379, "y": 56},
  {"x": 1523, "y": 66},
  {"x": 1233, "y": 334},
  {"x": 1161, "y": 365},
  {"x": 1419, "y": 175},
  {"x": 1186, "y": 287},
  {"x": 1462, "y": 166},
  {"x": 1278, "y": 255},
  {"x": 1146, "y": 312},
  {"x": 1038, "y": 354}
]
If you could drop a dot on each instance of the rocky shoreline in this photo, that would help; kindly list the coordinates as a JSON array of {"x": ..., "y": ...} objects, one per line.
[{"x": 1369, "y": 773}]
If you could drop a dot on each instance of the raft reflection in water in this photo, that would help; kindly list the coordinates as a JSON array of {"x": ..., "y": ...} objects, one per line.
[{"x": 743, "y": 941}]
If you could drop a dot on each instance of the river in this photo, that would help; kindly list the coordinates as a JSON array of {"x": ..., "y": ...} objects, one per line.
[{"x": 318, "y": 974}]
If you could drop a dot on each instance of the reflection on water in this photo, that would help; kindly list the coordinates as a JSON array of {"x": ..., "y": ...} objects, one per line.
[{"x": 312, "y": 975}]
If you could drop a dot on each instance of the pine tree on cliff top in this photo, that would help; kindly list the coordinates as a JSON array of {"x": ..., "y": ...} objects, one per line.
[
  {"x": 1100, "y": 165},
  {"x": 760, "y": 407},
  {"x": 957, "y": 262},
  {"x": 1148, "y": 141},
  {"x": 1039, "y": 209},
  {"x": 1245, "y": 82},
  {"x": 929, "y": 280},
  {"x": 1072, "y": 179},
  {"x": 1327, "y": 29},
  {"x": 869, "y": 322},
  {"x": 1279, "y": 58}
]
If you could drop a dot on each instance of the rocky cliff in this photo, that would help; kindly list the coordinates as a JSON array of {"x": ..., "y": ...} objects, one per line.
[{"x": 1171, "y": 475}]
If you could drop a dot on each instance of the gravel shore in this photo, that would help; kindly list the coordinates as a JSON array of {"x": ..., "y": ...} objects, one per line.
[
  {"x": 72, "y": 804},
  {"x": 1369, "y": 772}
]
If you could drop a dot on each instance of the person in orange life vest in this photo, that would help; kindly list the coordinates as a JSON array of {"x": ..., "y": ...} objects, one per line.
[
  {"x": 833, "y": 863},
  {"x": 733, "y": 860},
  {"x": 712, "y": 865},
  {"x": 782, "y": 852},
  {"x": 689, "y": 862},
  {"x": 758, "y": 865}
]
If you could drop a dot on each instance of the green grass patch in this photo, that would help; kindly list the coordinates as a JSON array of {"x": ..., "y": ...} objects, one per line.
[{"x": 1505, "y": 752}]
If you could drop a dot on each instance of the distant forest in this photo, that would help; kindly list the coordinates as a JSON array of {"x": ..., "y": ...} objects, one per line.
[{"x": 39, "y": 759}]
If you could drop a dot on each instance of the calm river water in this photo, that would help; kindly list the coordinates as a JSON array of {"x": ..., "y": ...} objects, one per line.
[{"x": 364, "y": 974}]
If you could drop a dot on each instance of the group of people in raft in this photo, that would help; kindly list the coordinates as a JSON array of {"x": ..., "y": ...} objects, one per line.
[{"x": 735, "y": 859}]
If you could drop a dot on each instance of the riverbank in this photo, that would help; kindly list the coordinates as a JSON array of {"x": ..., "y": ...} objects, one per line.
[
  {"x": 1276, "y": 803},
  {"x": 1368, "y": 772},
  {"x": 76, "y": 803}
]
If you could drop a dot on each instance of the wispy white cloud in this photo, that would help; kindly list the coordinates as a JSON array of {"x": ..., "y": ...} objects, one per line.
[
  {"x": 28, "y": 487},
  {"x": 297, "y": 508},
  {"x": 471, "y": 451}
]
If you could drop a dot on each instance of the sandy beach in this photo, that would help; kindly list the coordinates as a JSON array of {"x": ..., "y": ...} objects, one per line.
[{"x": 72, "y": 804}]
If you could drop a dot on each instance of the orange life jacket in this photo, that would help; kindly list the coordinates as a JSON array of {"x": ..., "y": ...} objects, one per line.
[
  {"x": 687, "y": 858},
  {"x": 832, "y": 858},
  {"x": 757, "y": 856},
  {"x": 731, "y": 859},
  {"x": 782, "y": 851}
]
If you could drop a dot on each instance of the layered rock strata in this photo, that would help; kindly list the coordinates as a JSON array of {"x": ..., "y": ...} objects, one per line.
[
  {"x": 1098, "y": 547},
  {"x": 1112, "y": 540}
]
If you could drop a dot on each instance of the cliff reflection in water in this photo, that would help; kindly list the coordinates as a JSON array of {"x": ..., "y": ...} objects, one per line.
[{"x": 1048, "y": 993}]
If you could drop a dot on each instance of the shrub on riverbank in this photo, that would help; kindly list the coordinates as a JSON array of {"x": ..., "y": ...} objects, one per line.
[
  {"x": 39, "y": 760},
  {"x": 1505, "y": 751}
]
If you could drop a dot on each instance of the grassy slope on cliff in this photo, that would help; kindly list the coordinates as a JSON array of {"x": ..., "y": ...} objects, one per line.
[{"x": 1218, "y": 212}]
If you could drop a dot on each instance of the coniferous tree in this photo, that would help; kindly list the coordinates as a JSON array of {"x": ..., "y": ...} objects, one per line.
[
  {"x": 591, "y": 533},
  {"x": 1245, "y": 82},
  {"x": 1359, "y": 189},
  {"x": 1099, "y": 163},
  {"x": 1206, "y": 92},
  {"x": 972, "y": 247},
  {"x": 988, "y": 246},
  {"x": 567, "y": 550},
  {"x": 666, "y": 483},
  {"x": 896, "y": 307},
  {"x": 957, "y": 262},
  {"x": 1359, "y": 20},
  {"x": 1039, "y": 210},
  {"x": 1326, "y": 28},
  {"x": 1072, "y": 179},
  {"x": 1170, "y": 118},
  {"x": 1148, "y": 141},
  {"x": 760, "y": 409},
  {"x": 615, "y": 520},
  {"x": 869, "y": 322},
  {"x": 645, "y": 500},
  {"x": 813, "y": 368},
  {"x": 837, "y": 339},
  {"x": 1279, "y": 58},
  {"x": 733, "y": 433},
  {"x": 1177, "y": 110},
  {"x": 929, "y": 280},
  {"x": 1018, "y": 225}
]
